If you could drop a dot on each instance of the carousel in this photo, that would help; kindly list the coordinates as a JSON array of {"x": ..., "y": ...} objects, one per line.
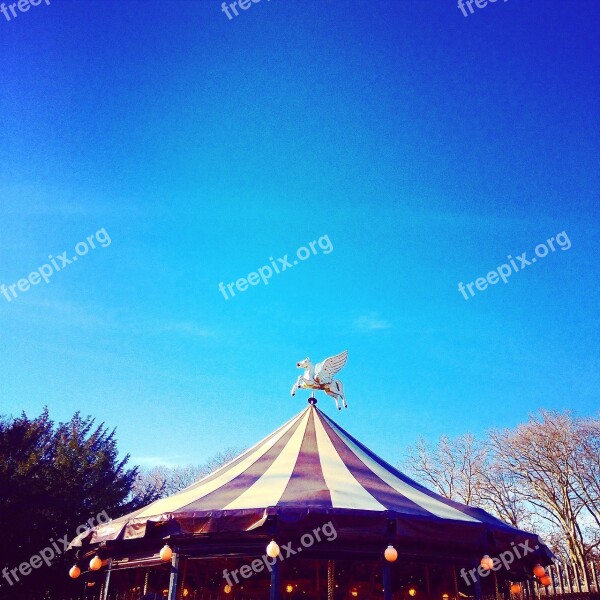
[{"x": 308, "y": 513}]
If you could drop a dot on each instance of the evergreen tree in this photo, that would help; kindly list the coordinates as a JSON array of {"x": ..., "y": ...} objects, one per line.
[{"x": 54, "y": 479}]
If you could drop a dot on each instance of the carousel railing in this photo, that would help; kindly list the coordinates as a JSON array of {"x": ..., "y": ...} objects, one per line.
[{"x": 570, "y": 581}]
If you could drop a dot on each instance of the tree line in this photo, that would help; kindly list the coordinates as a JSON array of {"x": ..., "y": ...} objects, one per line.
[
  {"x": 56, "y": 479},
  {"x": 542, "y": 475},
  {"x": 161, "y": 480}
]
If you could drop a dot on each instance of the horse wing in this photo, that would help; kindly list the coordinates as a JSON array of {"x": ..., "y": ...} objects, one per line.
[{"x": 325, "y": 370}]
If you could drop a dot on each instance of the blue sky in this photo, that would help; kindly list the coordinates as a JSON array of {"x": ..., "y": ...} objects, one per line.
[{"x": 427, "y": 146}]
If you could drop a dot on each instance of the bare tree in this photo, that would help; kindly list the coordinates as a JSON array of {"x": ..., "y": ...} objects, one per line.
[
  {"x": 543, "y": 475},
  {"x": 498, "y": 493},
  {"x": 554, "y": 462},
  {"x": 166, "y": 481},
  {"x": 586, "y": 466},
  {"x": 453, "y": 468},
  {"x": 150, "y": 483}
]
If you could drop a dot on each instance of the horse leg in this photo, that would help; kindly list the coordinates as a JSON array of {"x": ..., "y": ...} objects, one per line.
[
  {"x": 340, "y": 391},
  {"x": 296, "y": 386},
  {"x": 333, "y": 394}
]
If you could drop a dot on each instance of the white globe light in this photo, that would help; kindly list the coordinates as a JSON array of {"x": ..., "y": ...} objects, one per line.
[
  {"x": 391, "y": 554},
  {"x": 273, "y": 549},
  {"x": 75, "y": 572},
  {"x": 166, "y": 553},
  {"x": 487, "y": 563}
]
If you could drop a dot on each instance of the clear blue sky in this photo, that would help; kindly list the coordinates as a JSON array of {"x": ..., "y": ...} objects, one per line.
[{"x": 426, "y": 145}]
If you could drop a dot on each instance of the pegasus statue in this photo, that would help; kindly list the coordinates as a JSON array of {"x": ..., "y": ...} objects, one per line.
[{"x": 320, "y": 377}]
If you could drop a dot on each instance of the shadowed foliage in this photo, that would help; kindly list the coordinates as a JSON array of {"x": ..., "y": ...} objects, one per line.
[{"x": 53, "y": 479}]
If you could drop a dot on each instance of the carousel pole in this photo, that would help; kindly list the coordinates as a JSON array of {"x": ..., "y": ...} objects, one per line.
[
  {"x": 107, "y": 581},
  {"x": 477, "y": 585},
  {"x": 274, "y": 593},
  {"x": 455, "y": 579},
  {"x": 318, "y": 578},
  {"x": 330, "y": 579},
  {"x": 173, "y": 583},
  {"x": 183, "y": 578},
  {"x": 146, "y": 580},
  {"x": 387, "y": 581}
]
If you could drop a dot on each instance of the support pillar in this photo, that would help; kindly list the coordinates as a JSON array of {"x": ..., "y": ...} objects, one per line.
[
  {"x": 454, "y": 578},
  {"x": 330, "y": 579},
  {"x": 183, "y": 578},
  {"x": 107, "y": 581},
  {"x": 387, "y": 581},
  {"x": 318, "y": 579},
  {"x": 477, "y": 585},
  {"x": 174, "y": 582},
  {"x": 274, "y": 593}
]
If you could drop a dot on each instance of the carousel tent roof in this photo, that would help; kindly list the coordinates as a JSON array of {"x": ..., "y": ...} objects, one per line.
[{"x": 309, "y": 465}]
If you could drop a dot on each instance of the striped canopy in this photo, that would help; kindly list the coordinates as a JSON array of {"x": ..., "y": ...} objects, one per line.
[{"x": 312, "y": 467}]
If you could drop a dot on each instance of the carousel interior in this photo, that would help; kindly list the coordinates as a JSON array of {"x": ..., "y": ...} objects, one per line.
[{"x": 300, "y": 578}]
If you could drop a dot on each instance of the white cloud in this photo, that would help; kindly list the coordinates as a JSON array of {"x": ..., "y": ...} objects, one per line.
[{"x": 371, "y": 322}]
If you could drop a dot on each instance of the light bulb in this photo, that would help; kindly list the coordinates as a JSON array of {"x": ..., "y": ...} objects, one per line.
[
  {"x": 539, "y": 571},
  {"x": 391, "y": 554},
  {"x": 273, "y": 549},
  {"x": 166, "y": 553},
  {"x": 75, "y": 572}
]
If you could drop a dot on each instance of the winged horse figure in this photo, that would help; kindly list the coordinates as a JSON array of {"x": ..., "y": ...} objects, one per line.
[{"x": 320, "y": 377}]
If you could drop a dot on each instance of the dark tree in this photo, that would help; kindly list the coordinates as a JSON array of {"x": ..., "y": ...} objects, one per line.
[{"x": 54, "y": 480}]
